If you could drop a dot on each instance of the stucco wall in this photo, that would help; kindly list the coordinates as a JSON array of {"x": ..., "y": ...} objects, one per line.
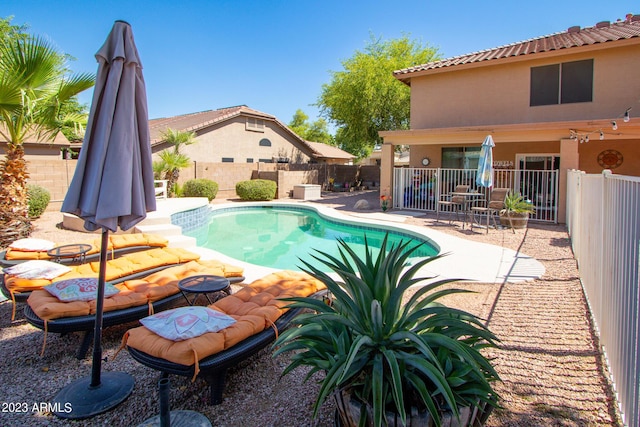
[
  {"x": 234, "y": 141},
  {"x": 500, "y": 94}
]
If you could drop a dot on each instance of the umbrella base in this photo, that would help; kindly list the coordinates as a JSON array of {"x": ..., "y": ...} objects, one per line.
[
  {"x": 179, "y": 418},
  {"x": 79, "y": 400}
]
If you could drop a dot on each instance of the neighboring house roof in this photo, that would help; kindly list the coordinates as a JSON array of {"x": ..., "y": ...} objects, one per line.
[
  {"x": 327, "y": 151},
  {"x": 574, "y": 37},
  {"x": 31, "y": 138},
  {"x": 195, "y": 122}
]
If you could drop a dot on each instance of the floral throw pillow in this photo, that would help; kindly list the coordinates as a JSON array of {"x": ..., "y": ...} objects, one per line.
[
  {"x": 37, "y": 269},
  {"x": 79, "y": 289},
  {"x": 183, "y": 323}
]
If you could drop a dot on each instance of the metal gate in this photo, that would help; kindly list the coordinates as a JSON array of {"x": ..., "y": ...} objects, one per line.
[{"x": 421, "y": 188}]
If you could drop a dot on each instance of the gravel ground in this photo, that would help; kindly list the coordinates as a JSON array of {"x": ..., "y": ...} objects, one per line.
[{"x": 552, "y": 372}]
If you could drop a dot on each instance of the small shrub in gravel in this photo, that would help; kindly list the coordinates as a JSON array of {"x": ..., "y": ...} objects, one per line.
[
  {"x": 201, "y": 187},
  {"x": 38, "y": 200},
  {"x": 256, "y": 189}
]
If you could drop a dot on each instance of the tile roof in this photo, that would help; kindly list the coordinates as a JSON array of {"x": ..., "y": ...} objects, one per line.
[
  {"x": 602, "y": 32},
  {"x": 195, "y": 121},
  {"x": 328, "y": 151}
]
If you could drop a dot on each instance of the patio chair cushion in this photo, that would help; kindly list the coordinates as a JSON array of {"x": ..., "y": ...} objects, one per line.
[
  {"x": 26, "y": 249},
  {"x": 183, "y": 323},
  {"x": 79, "y": 289},
  {"x": 116, "y": 268},
  {"x": 255, "y": 308},
  {"x": 152, "y": 288}
]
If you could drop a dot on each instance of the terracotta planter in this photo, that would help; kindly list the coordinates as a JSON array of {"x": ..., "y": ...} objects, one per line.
[
  {"x": 515, "y": 220},
  {"x": 349, "y": 407}
]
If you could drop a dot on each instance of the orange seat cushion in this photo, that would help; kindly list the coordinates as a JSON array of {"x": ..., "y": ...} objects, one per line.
[
  {"x": 152, "y": 288},
  {"x": 116, "y": 241},
  {"x": 132, "y": 263},
  {"x": 255, "y": 308}
]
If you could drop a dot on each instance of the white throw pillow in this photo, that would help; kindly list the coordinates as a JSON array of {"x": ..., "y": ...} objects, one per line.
[
  {"x": 32, "y": 245},
  {"x": 183, "y": 323},
  {"x": 37, "y": 269},
  {"x": 79, "y": 289}
]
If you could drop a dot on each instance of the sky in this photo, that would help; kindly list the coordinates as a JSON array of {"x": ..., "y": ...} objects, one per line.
[{"x": 275, "y": 55}]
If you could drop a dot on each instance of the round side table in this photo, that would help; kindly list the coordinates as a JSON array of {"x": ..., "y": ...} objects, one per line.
[
  {"x": 75, "y": 251},
  {"x": 203, "y": 284}
]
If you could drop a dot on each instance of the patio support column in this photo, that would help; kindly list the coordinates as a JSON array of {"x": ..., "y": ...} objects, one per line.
[
  {"x": 386, "y": 170},
  {"x": 569, "y": 159}
]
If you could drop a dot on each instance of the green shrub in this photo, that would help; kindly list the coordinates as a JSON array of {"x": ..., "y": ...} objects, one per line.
[
  {"x": 38, "y": 199},
  {"x": 201, "y": 187},
  {"x": 178, "y": 191},
  {"x": 256, "y": 189}
]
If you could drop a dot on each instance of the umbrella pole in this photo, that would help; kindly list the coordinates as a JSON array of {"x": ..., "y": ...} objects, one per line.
[
  {"x": 96, "y": 366},
  {"x": 97, "y": 393}
]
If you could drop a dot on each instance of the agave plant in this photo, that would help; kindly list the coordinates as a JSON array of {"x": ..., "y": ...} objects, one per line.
[{"x": 391, "y": 355}]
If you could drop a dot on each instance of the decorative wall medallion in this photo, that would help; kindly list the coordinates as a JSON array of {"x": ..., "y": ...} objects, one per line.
[{"x": 610, "y": 159}]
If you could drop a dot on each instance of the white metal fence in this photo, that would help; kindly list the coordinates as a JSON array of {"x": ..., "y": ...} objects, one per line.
[
  {"x": 421, "y": 188},
  {"x": 603, "y": 218}
]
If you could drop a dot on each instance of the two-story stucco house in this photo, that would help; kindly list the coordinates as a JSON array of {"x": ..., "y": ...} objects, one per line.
[
  {"x": 569, "y": 100},
  {"x": 243, "y": 135}
]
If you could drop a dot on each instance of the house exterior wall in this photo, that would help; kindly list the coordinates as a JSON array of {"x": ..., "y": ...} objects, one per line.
[
  {"x": 41, "y": 151},
  {"x": 499, "y": 94},
  {"x": 232, "y": 140},
  {"x": 459, "y": 106}
]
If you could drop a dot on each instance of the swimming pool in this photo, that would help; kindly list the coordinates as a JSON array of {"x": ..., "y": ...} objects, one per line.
[{"x": 279, "y": 236}]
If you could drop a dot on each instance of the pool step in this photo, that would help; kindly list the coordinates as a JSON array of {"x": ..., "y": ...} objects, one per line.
[
  {"x": 155, "y": 218},
  {"x": 181, "y": 241},
  {"x": 160, "y": 229}
]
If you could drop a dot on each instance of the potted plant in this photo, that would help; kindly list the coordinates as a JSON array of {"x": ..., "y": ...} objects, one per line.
[
  {"x": 516, "y": 211},
  {"x": 386, "y": 361}
]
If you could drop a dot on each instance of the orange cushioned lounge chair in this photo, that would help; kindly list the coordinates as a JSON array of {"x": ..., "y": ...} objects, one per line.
[
  {"x": 137, "y": 298},
  {"x": 123, "y": 268},
  {"x": 259, "y": 314},
  {"x": 119, "y": 244}
]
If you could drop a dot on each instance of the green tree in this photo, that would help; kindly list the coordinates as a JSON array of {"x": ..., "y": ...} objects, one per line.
[
  {"x": 171, "y": 161},
  {"x": 365, "y": 98},
  {"x": 35, "y": 86},
  {"x": 11, "y": 32},
  {"x": 315, "y": 131}
]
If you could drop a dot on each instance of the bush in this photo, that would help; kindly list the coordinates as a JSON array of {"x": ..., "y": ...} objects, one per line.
[
  {"x": 201, "y": 187},
  {"x": 256, "y": 189},
  {"x": 38, "y": 200}
]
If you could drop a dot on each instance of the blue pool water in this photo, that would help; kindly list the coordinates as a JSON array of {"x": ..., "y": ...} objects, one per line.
[{"x": 278, "y": 237}]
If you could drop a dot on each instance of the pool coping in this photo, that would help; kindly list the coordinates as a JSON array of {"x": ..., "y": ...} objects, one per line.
[{"x": 464, "y": 259}]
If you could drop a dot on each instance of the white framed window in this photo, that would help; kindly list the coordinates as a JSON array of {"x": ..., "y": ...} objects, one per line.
[{"x": 254, "y": 124}]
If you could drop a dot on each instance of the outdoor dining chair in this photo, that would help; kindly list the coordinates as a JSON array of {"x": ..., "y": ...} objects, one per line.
[
  {"x": 455, "y": 204},
  {"x": 495, "y": 205}
]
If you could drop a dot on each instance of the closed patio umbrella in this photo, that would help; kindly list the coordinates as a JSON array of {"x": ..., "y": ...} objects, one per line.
[
  {"x": 112, "y": 187},
  {"x": 484, "y": 176}
]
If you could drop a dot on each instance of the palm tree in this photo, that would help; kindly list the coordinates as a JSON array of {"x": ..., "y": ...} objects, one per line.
[
  {"x": 172, "y": 161},
  {"x": 35, "y": 85}
]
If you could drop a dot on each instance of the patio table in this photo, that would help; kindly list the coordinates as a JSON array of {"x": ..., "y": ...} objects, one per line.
[{"x": 470, "y": 199}]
